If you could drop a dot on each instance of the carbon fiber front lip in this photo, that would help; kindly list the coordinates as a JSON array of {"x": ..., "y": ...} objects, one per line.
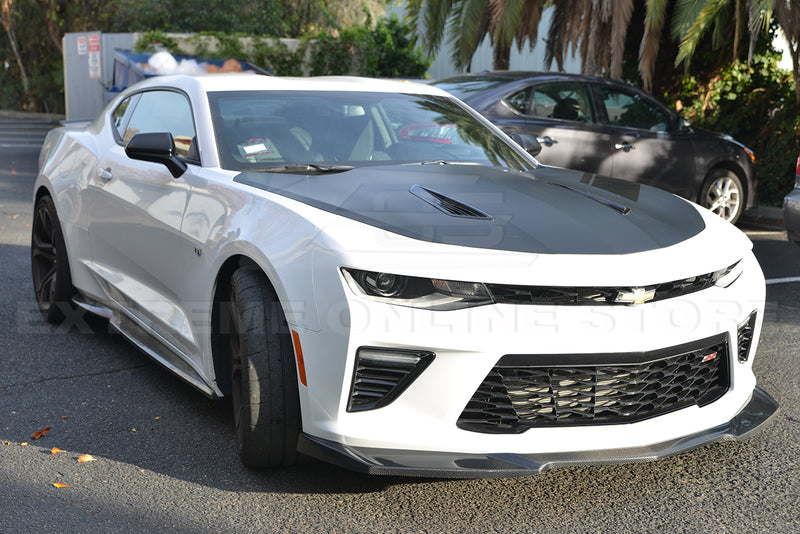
[{"x": 759, "y": 410}]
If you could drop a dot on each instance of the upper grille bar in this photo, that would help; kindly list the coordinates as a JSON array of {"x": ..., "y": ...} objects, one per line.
[{"x": 587, "y": 296}]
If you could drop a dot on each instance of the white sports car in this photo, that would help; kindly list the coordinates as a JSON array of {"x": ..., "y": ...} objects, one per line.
[{"x": 382, "y": 279}]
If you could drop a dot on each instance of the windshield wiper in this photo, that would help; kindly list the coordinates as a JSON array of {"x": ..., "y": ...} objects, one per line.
[
  {"x": 442, "y": 162},
  {"x": 304, "y": 168}
]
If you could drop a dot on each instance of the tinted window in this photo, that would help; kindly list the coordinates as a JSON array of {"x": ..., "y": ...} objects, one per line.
[
  {"x": 257, "y": 129},
  {"x": 632, "y": 110},
  {"x": 164, "y": 111},
  {"x": 561, "y": 100}
]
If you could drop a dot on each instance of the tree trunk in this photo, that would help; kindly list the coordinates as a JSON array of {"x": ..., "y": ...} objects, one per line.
[
  {"x": 502, "y": 56},
  {"x": 6, "y": 16}
]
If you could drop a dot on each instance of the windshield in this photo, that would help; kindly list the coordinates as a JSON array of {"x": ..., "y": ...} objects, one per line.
[
  {"x": 465, "y": 86},
  {"x": 279, "y": 130}
]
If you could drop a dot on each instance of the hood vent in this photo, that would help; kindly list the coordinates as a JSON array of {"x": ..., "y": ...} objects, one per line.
[
  {"x": 447, "y": 205},
  {"x": 610, "y": 203}
]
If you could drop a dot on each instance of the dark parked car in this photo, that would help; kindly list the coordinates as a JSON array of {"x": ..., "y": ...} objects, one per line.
[
  {"x": 791, "y": 209},
  {"x": 612, "y": 128}
]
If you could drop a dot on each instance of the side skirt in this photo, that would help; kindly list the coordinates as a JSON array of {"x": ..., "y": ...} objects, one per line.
[{"x": 151, "y": 344}]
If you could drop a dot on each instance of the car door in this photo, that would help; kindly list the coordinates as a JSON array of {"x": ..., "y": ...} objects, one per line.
[
  {"x": 648, "y": 146},
  {"x": 135, "y": 214},
  {"x": 562, "y": 116}
]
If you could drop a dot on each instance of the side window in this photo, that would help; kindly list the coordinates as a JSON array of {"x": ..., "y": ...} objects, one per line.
[
  {"x": 165, "y": 111},
  {"x": 561, "y": 100},
  {"x": 123, "y": 113},
  {"x": 632, "y": 110}
]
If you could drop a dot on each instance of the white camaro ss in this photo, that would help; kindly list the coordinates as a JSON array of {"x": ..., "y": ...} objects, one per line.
[{"x": 382, "y": 279}]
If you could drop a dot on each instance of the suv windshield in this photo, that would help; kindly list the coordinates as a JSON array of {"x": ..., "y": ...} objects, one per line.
[
  {"x": 264, "y": 130},
  {"x": 466, "y": 86}
]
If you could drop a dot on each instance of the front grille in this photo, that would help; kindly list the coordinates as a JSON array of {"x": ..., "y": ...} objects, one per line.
[
  {"x": 534, "y": 391},
  {"x": 553, "y": 295}
]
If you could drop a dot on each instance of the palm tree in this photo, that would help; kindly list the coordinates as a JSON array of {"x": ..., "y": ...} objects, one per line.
[
  {"x": 468, "y": 22},
  {"x": 597, "y": 29}
]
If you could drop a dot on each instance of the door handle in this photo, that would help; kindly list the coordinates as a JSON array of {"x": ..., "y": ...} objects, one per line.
[
  {"x": 547, "y": 140},
  {"x": 625, "y": 147},
  {"x": 104, "y": 176}
]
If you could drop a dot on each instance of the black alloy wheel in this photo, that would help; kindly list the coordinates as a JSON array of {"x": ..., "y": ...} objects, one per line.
[{"x": 52, "y": 280}]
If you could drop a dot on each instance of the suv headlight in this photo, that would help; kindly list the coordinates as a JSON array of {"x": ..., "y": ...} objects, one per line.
[{"x": 416, "y": 292}]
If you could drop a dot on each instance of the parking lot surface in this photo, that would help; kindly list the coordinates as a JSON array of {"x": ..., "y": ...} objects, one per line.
[{"x": 165, "y": 459}]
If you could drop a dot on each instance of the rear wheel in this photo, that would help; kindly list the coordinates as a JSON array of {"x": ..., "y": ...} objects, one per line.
[
  {"x": 264, "y": 390},
  {"x": 52, "y": 280},
  {"x": 723, "y": 194}
]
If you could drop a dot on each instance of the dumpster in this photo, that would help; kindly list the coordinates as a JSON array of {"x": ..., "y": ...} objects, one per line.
[{"x": 131, "y": 67}]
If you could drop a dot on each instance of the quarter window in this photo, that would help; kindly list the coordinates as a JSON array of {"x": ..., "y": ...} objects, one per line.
[
  {"x": 123, "y": 113},
  {"x": 165, "y": 111}
]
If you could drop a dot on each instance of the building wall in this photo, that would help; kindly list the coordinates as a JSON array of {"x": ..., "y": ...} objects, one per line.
[{"x": 528, "y": 59}]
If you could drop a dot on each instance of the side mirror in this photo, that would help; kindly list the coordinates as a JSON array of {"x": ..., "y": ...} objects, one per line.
[
  {"x": 527, "y": 142},
  {"x": 158, "y": 148}
]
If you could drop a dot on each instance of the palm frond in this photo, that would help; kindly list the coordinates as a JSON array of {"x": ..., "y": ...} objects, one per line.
[
  {"x": 529, "y": 23},
  {"x": 468, "y": 27},
  {"x": 684, "y": 16},
  {"x": 655, "y": 17},
  {"x": 707, "y": 16},
  {"x": 620, "y": 21}
]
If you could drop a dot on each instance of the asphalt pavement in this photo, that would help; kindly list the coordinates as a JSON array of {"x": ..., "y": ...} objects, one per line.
[{"x": 165, "y": 458}]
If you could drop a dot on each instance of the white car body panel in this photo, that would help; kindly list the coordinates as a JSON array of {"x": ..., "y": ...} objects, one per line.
[{"x": 148, "y": 248}]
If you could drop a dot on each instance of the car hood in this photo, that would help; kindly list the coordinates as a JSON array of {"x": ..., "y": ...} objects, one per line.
[{"x": 545, "y": 211}]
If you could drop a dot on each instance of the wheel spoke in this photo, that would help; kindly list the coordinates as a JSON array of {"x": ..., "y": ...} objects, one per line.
[
  {"x": 44, "y": 251},
  {"x": 45, "y": 285}
]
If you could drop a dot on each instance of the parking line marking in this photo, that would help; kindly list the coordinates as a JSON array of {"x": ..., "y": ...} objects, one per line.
[{"x": 783, "y": 280}]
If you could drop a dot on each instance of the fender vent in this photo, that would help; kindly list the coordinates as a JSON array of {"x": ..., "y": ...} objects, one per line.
[{"x": 450, "y": 206}]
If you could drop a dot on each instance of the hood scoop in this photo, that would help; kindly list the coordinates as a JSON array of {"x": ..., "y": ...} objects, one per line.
[
  {"x": 448, "y": 205},
  {"x": 621, "y": 208}
]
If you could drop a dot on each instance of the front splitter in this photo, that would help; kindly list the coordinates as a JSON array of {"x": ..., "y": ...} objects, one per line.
[{"x": 760, "y": 409}]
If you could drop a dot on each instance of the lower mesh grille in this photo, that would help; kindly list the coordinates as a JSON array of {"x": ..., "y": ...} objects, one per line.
[{"x": 525, "y": 391}]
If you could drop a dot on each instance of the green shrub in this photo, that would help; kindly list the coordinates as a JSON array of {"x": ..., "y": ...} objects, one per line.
[
  {"x": 385, "y": 50},
  {"x": 755, "y": 105}
]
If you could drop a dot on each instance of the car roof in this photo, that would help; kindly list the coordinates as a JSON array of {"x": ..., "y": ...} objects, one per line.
[
  {"x": 257, "y": 82},
  {"x": 515, "y": 75}
]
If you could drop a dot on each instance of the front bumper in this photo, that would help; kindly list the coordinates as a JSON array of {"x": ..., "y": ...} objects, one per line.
[{"x": 760, "y": 409}]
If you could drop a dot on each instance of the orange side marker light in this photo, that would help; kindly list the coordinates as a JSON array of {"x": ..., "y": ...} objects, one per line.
[{"x": 298, "y": 351}]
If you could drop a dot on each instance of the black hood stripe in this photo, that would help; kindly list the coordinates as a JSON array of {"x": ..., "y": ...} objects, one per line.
[{"x": 547, "y": 211}]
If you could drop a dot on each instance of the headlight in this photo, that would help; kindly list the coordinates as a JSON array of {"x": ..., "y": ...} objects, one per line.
[
  {"x": 416, "y": 292},
  {"x": 727, "y": 276}
]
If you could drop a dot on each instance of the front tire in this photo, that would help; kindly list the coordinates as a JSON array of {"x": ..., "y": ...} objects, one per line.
[
  {"x": 52, "y": 280},
  {"x": 265, "y": 397},
  {"x": 723, "y": 194}
]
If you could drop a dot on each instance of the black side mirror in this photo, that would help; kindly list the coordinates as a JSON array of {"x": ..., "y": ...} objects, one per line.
[
  {"x": 527, "y": 142},
  {"x": 156, "y": 147}
]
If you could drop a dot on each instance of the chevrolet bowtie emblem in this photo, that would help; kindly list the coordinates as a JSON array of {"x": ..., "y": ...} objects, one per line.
[{"x": 637, "y": 295}]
